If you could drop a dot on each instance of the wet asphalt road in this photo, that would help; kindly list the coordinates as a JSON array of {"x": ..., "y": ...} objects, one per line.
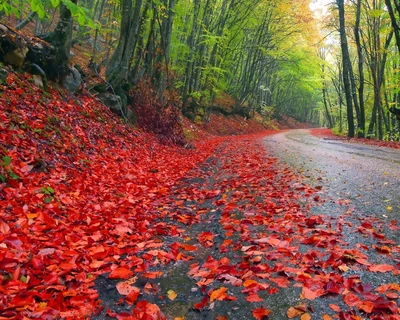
[
  {"x": 368, "y": 176},
  {"x": 356, "y": 184}
]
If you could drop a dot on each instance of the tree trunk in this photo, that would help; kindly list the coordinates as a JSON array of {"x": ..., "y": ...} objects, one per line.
[
  {"x": 25, "y": 22},
  {"x": 361, "y": 115},
  {"x": 165, "y": 32},
  {"x": 118, "y": 68},
  {"x": 346, "y": 68},
  {"x": 394, "y": 20},
  {"x": 191, "y": 44},
  {"x": 61, "y": 38}
]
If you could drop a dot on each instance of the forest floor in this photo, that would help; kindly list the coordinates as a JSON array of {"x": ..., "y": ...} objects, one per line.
[{"x": 100, "y": 220}]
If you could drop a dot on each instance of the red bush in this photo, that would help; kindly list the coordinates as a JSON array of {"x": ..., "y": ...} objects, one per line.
[{"x": 153, "y": 116}]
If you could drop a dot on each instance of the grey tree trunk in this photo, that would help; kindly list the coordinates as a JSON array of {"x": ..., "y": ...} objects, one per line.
[
  {"x": 361, "y": 114},
  {"x": 191, "y": 43},
  {"x": 61, "y": 38},
  {"x": 394, "y": 20},
  {"x": 346, "y": 68},
  {"x": 118, "y": 68}
]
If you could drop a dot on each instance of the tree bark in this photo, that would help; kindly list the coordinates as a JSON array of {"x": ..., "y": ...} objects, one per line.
[
  {"x": 346, "y": 68},
  {"x": 394, "y": 22},
  {"x": 361, "y": 114},
  {"x": 118, "y": 68},
  {"x": 61, "y": 38},
  {"x": 25, "y": 22}
]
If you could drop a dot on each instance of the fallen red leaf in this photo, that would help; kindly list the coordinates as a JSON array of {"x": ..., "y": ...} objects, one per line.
[
  {"x": 120, "y": 273},
  {"x": 253, "y": 298},
  {"x": 381, "y": 268},
  {"x": 260, "y": 313}
]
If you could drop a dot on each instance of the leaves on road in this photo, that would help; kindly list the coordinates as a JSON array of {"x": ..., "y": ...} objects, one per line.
[{"x": 84, "y": 195}]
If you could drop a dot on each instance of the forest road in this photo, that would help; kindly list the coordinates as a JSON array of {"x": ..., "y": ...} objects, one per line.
[{"x": 368, "y": 176}]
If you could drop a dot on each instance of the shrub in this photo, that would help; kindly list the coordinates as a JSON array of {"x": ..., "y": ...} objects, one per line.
[{"x": 154, "y": 116}]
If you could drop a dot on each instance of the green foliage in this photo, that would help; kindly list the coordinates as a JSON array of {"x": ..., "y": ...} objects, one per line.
[
  {"x": 9, "y": 9},
  {"x": 49, "y": 192},
  {"x": 6, "y": 172},
  {"x": 80, "y": 13}
]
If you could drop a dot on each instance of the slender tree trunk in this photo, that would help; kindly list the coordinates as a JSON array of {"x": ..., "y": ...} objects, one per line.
[
  {"x": 346, "y": 68},
  {"x": 395, "y": 22},
  {"x": 25, "y": 22},
  {"x": 361, "y": 115},
  {"x": 191, "y": 44},
  {"x": 165, "y": 32}
]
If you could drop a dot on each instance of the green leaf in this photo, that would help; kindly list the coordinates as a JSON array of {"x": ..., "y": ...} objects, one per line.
[
  {"x": 375, "y": 13},
  {"x": 48, "y": 199},
  {"x": 50, "y": 189},
  {"x": 13, "y": 175},
  {"x": 55, "y": 3},
  {"x": 6, "y": 160},
  {"x": 91, "y": 24},
  {"x": 81, "y": 19},
  {"x": 71, "y": 7}
]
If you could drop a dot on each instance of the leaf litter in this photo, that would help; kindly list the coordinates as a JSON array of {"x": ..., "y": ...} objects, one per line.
[{"x": 91, "y": 199}]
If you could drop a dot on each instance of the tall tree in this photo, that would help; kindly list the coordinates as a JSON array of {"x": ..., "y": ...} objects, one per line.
[
  {"x": 119, "y": 65},
  {"x": 346, "y": 62},
  {"x": 393, "y": 7}
]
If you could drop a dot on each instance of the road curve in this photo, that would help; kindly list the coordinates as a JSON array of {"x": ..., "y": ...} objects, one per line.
[{"x": 367, "y": 175}]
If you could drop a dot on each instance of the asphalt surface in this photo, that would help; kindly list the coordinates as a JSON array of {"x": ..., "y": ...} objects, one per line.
[
  {"x": 367, "y": 175},
  {"x": 357, "y": 199}
]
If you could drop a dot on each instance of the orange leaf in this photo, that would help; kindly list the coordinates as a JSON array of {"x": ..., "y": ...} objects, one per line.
[
  {"x": 293, "y": 312},
  {"x": 381, "y": 268},
  {"x": 366, "y": 306},
  {"x": 124, "y": 288},
  {"x": 218, "y": 294},
  {"x": 311, "y": 295},
  {"x": 249, "y": 282},
  {"x": 95, "y": 264},
  {"x": 172, "y": 295},
  {"x": 305, "y": 316},
  {"x": 120, "y": 273},
  {"x": 152, "y": 275},
  {"x": 253, "y": 298},
  {"x": 326, "y": 317},
  {"x": 188, "y": 247},
  {"x": 335, "y": 307},
  {"x": 392, "y": 295}
]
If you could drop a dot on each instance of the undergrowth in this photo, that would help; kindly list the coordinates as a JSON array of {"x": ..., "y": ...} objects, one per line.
[{"x": 154, "y": 116}]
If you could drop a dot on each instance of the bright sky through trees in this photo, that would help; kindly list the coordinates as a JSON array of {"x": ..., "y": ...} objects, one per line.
[{"x": 320, "y": 7}]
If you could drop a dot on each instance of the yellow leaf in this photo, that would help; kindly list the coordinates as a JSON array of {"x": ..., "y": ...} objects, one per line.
[
  {"x": 172, "y": 295},
  {"x": 389, "y": 208},
  {"x": 343, "y": 268}
]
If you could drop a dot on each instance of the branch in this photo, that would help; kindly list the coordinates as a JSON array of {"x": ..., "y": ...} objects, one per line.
[{"x": 28, "y": 19}]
